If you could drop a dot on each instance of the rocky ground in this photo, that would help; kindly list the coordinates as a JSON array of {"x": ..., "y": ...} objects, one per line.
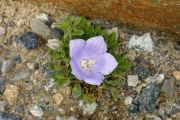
[{"x": 151, "y": 91}]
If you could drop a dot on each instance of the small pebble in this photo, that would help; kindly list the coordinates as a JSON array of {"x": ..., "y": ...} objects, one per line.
[
  {"x": 36, "y": 111},
  {"x": 58, "y": 98},
  {"x": 28, "y": 40},
  {"x": 141, "y": 71},
  {"x": 7, "y": 65},
  {"x": 128, "y": 100},
  {"x": 45, "y": 18},
  {"x": 132, "y": 80},
  {"x": 17, "y": 59},
  {"x": 133, "y": 110},
  {"x": 56, "y": 32},
  {"x": 176, "y": 75},
  {"x": 89, "y": 108}
]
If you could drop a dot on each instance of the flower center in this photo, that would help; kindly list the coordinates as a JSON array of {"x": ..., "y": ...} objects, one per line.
[{"x": 85, "y": 64}]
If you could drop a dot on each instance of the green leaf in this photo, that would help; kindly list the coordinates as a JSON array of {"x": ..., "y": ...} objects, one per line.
[
  {"x": 76, "y": 90},
  {"x": 115, "y": 93},
  {"x": 60, "y": 79},
  {"x": 89, "y": 97}
]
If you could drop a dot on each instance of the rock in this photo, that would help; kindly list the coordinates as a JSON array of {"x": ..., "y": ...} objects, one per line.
[
  {"x": 168, "y": 87},
  {"x": 39, "y": 27},
  {"x": 9, "y": 116},
  {"x": 128, "y": 100},
  {"x": 141, "y": 71},
  {"x": 28, "y": 39},
  {"x": 17, "y": 59},
  {"x": 2, "y": 84},
  {"x": 3, "y": 104},
  {"x": 158, "y": 80},
  {"x": 7, "y": 65},
  {"x": 72, "y": 118},
  {"x": 148, "y": 97},
  {"x": 89, "y": 108},
  {"x": 50, "y": 84},
  {"x": 2, "y": 31},
  {"x": 173, "y": 110},
  {"x": 36, "y": 111},
  {"x": 133, "y": 110},
  {"x": 53, "y": 44},
  {"x": 45, "y": 18},
  {"x": 58, "y": 98},
  {"x": 56, "y": 32},
  {"x": 176, "y": 75},
  {"x": 177, "y": 46},
  {"x": 142, "y": 43},
  {"x": 132, "y": 80},
  {"x": 11, "y": 94},
  {"x": 23, "y": 74}
]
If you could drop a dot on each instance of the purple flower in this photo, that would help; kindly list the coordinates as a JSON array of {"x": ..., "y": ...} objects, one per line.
[{"x": 89, "y": 60}]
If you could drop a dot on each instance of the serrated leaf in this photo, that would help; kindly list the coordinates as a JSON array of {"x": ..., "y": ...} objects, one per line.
[{"x": 76, "y": 90}]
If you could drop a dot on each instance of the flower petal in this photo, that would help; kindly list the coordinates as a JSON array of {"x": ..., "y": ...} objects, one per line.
[
  {"x": 76, "y": 46},
  {"x": 110, "y": 64},
  {"x": 93, "y": 78},
  {"x": 76, "y": 70},
  {"x": 95, "y": 45}
]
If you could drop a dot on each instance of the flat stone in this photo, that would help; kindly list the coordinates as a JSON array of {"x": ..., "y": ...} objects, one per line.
[
  {"x": 132, "y": 80},
  {"x": 58, "y": 98},
  {"x": 9, "y": 116},
  {"x": 148, "y": 97},
  {"x": 23, "y": 74},
  {"x": 7, "y": 65},
  {"x": 168, "y": 87},
  {"x": 36, "y": 111},
  {"x": 39, "y": 27},
  {"x": 142, "y": 43},
  {"x": 11, "y": 94},
  {"x": 176, "y": 75},
  {"x": 28, "y": 39}
]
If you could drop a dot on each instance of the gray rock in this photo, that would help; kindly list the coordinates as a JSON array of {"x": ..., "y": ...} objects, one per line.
[
  {"x": 132, "y": 80},
  {"x": 9, "y": 116},
  {"x": 2, "y": 84},
  {"x": 28, "y": 39},
  {"x": 36, "y": 111},
  {"x": 7, "y": 65},
  {"x": 2, "y": 105},
  {"x": 133, "y": 110},
  {"x": 142, "y": 43},
  {"x": 19, "y": 108},
  {"x": 39, "y": 27},
  {"x": 21, "y": 75},
  {"x": 141, "y": 71},
  {"x": 89, "y": 108},
  {"x": 173, "y": 110},
  {"x": 148, "y": 97},
  {"x": 168, "y": 87}
]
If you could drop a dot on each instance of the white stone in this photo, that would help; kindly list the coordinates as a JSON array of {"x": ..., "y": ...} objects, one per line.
[
  {"x": 159, "y": 78},
  {"x": 132, "y": 80},
  {"x": 53, "y": 44},
  {"x": 30, "y": 65},
  {"x": 89, "y": 108},
  {"x": 128, "y": 100},
  {"x": 6, "y": 66},
  {"x": 142, "y": 43},
  {"x": 44, "y": 17},
  {"x": 36, "y": 111}
]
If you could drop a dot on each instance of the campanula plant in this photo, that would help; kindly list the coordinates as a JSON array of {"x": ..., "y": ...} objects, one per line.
[{"x": 87, "y": 59}]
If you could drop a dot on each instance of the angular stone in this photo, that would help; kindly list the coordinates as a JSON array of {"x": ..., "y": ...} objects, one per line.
[
  {"x": 39, "y": 27},
  {"x": 132, "y": 80},
  {"x": 11, "y": 94},
  {"x": 128, "y": 100},
  {"x": 148, "y": 97}
]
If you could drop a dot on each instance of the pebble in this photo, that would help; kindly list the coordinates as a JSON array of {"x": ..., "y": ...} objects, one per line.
[
  {"x": 148, "y": 97},
  {"x": 9, "y": 116},
  {"x": 142, "y": 43},
  {"x": 17, "y": 59},
  {"x": 177, "y": 46},
  {"x": 36, "y": 111},
  {"x": 3, "y": 104},
  {"x": 158, "y": 80},
  {"x": 28, "y": 39},
  {"x": 39, "y": 27},
  {"x": 53, "y": 44},
  {"x": 21, "y": 75},
  {"x": 132, "y": 80},
  {"x": 133, "y": 110},
  {"x": 2, "y": 84},
  {"x": 128, "y": 100},
  {"x": 11, "y": 94},
  {"x": 141, "y": 71},
  {"x": 2, "y": 31},
  {"x": 176, "y": 75},
  {"x": 19, "y": 108},
  {"x": 58, "y": 98},
  {"x": 89, "y": 108},
  {"x": 45, "y": 18},
  {"x": 7, "y": 65},
  {"x": 57, "y": 32},
  {"x": 30, "y": 65},
  {"x": 49, "y": 84},
  {"x": 168, "y": 87}
]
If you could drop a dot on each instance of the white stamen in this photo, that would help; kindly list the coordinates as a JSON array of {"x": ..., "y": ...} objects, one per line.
[{"x": 85, "y": 64}]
